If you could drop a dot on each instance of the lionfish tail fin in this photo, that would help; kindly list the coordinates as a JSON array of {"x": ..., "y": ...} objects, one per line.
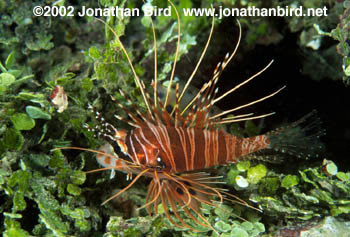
[{"x": 300, "y": 139}]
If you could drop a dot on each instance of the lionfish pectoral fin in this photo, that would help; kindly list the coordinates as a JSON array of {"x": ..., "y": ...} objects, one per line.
[
  {"x": 300, "y": 139},
  {"x": 177, "y": 198},
  {"x": 158, "y": 194},
  {"x": 182, "y": 196}
]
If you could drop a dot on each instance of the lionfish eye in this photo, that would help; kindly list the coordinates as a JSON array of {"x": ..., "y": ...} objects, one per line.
[{"x": 160, "y": 162}]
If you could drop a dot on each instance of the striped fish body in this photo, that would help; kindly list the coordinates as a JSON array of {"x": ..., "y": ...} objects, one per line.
[{"x": 181, "y": 149}]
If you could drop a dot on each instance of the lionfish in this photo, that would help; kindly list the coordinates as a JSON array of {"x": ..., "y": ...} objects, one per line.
[{"x": 173, "y": 146}]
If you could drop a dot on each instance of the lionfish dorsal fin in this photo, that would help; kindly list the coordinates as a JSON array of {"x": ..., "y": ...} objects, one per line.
[
  {"x": 165, "y": 115},
  {"x": 201, "y": 104}
]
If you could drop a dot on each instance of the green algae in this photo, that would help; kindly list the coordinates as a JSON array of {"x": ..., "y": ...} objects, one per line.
[
  {"x": 289, "y": 181},
  {"x": 256, "y": 173},
  {"x": 341, "y": 34}
]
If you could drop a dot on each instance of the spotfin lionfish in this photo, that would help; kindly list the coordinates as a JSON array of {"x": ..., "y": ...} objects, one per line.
[{"x": 174, "y": 146}]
